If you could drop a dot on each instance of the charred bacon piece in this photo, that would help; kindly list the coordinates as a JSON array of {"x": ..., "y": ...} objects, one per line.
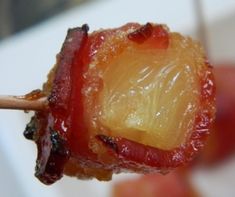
[{"x": 135, "y": 98}]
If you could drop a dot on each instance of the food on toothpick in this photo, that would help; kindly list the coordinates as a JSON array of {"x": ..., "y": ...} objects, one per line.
[{"x": 137, "y": 98}]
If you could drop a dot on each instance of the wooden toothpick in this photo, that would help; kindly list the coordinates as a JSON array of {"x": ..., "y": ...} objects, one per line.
[{"x": 22, "y": 103}]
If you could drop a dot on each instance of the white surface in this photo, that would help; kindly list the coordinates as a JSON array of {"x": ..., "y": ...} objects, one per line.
[
  {"x": 221, "y": 29},
  {"x": 26, "y": 58},
  {"x": 216, "y": 182}
]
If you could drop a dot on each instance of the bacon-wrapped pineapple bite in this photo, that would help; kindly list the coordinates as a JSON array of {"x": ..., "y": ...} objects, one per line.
[{"x": 136, "y": 98}]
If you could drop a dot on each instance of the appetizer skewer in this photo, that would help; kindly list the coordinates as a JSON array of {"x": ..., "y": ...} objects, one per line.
[{"x": 135, "y": 98}]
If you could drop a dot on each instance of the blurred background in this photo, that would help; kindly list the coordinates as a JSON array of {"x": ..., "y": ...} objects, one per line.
[
  {"x": 17, "y": 15},
  {"x": 31, "y": 34}
]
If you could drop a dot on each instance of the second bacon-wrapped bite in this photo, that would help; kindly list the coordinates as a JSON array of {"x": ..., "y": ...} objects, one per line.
[
  {"x": 136, "y": 98},
  {"x": 220, "y": 145}
]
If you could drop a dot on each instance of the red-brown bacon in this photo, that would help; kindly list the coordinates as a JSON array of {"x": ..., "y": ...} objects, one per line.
[{"x": 68, "y": 144}]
